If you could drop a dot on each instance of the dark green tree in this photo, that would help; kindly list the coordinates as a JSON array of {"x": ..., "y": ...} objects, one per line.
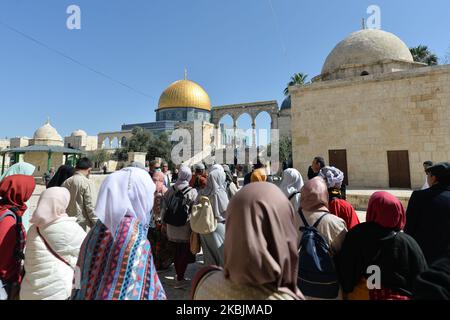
[
  {"x": 100, "y": 156},
  {"x": 422, "y": 54},
  {"x": 140, "y": 141},
  {"x": 160, "y": 147},
  {"x": 296, "y": 79}
]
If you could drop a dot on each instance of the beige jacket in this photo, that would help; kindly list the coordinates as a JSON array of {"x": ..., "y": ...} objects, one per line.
[{"x": 82, "y": 197}]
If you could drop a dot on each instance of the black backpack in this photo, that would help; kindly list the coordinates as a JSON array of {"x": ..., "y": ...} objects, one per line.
[
  {"x": 177, "y": 207},
  {"x": 317, "y": 276}
]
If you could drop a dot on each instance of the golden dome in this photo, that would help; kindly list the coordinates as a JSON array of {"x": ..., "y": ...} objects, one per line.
[{"x": 184, "y": 93}]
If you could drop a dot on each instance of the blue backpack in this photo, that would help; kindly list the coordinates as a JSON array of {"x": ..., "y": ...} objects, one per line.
[{"x": 317, "y": 276}]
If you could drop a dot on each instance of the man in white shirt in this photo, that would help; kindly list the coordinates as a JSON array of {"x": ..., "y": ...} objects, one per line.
[{"x": 426, "y": 165}]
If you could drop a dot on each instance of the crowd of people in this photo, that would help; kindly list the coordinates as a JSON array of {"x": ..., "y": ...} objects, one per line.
[{"x": 301, "y": 240}]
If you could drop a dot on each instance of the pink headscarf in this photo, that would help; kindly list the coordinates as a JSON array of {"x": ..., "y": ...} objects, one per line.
[
  {"x": 52, "y": 206},
  {"x": 314, "y": 195},
  {"x": 158, "y": 179},
  {"x": 386, "y": 210}
]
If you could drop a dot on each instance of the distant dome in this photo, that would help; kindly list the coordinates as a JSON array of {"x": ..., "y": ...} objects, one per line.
[
  {"x": 47, "y": 132},
  {"x": 286, "y": 103},
  {"x": 184, "y": 93},
  {"x": 79, "y": 133},
  {"x": 366, "y": 47}
]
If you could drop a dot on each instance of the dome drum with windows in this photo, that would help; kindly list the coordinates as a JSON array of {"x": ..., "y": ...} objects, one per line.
[
  {"x": 367, "y": 52},
  {"x": 184, "y": 100}
]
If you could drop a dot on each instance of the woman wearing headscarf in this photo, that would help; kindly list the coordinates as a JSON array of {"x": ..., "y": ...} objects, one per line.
[
  {"x": 15, "y": 191},
  {"x": 53, "y": 245},
  {"x": 314, "y": 205},
  {"x": 115, "y": 261},
  {"x": 380, "y": 242},
  {"x": 291, "y": 184},
  {"x": 26, "y": 169},
  {"x": 230, "y": 186},
  {"x": 212, "y": 243},
  {"x": 261, "y": 260},
  {"x": 198, "y": 180},
  {"x": 64, "y": 172},
  {"x": 334, "y": 177},
  {"x": 162, "y": 249},
  {"x": 180, "y": 236},
  {"x": 258, "y": 175},
  {"x": 314, "y": 208}
]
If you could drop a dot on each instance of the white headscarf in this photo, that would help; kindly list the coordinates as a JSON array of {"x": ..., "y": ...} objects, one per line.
[
  {"x": 292, "y": 182},
  {"x": 128, "y": 191},
  {"x": 215, "y": 190},
  {"x": 333, "y": 177},
  {"x": 184, "y": 177}
]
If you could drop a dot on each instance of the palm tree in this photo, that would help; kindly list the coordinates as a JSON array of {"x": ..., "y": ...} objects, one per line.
[
  {"x": 296, "y": 79},
  {"x": 422, "y": 54}
]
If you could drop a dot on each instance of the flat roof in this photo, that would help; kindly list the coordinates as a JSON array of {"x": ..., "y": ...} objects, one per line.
[{"x": 41, "y": 148}]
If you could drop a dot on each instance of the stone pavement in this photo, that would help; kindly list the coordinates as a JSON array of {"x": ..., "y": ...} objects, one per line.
[{"x": 168, "y": 280}]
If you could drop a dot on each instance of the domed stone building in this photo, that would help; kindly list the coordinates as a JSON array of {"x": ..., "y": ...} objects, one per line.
[
  {"x": 182, "y": 101},
  {"x": 80, "y": 140},
  {"x": 373, "y": 112},
  {"x": 185, "y": 104},
  {"x": 45, "y": 150}
]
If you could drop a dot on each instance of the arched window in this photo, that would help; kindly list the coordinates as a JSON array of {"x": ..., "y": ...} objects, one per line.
[{"x": 364, "y": 73}]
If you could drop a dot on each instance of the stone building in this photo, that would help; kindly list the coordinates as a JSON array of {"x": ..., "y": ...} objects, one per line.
[
  {"x": 374, "y": 113},
  {"x": 80, "y": 140},
  {"x": 45, "y": 150}
]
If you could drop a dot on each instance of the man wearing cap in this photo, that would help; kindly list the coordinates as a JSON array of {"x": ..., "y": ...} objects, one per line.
[{"x": 428, "y": 213}]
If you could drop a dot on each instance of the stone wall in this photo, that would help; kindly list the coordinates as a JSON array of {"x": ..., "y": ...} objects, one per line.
[
  {"x": 368, "y": 116},
  {"x": 40, "y": 161}
]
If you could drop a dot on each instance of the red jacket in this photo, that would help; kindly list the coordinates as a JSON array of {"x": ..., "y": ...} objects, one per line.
[
  {"x": 345, "y": 211},
  {"x": 9, "y": 267}
]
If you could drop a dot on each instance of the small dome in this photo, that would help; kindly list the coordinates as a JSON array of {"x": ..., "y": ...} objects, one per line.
[
  {"x": 184, "y": 93},
  {"x": 79, "y": 133},
  {"x": 366, "y": 47},
  {"x": 286, "y": 103},
  {"x": 47, "y": 132}
]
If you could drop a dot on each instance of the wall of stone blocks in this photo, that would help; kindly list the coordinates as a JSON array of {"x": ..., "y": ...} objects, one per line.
[
  {"x": 407, "y": 110},
  {"x": 40, "y": 159}
]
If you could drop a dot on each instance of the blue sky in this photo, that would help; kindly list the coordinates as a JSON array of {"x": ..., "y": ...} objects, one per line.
[{"x": 238, "y": 50}]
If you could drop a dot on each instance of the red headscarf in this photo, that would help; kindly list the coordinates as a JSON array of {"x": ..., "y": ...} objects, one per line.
[
  {"x": 15, "y": 191},
  {"x": 386, "y": 210}
]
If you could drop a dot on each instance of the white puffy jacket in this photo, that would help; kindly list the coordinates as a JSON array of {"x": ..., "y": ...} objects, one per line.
[{"x": 47, "y": 277}]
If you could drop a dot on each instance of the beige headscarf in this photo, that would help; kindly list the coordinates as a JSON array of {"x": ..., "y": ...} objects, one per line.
[
  {"x": 261, "y": 240},
  {"x": 315, "y": 195},
  {"x": 52, "y": 206}
]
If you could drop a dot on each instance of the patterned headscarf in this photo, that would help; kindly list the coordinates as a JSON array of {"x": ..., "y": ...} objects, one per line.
[{"x": 332, "y": 176}]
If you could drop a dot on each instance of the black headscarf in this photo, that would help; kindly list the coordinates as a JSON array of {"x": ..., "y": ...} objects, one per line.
[{"x": 64, "y": 172}]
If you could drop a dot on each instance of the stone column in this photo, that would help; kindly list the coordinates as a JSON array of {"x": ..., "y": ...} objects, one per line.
[
  {"x": 234, "y": 134},
  {"x": 253, "y": 133}
]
